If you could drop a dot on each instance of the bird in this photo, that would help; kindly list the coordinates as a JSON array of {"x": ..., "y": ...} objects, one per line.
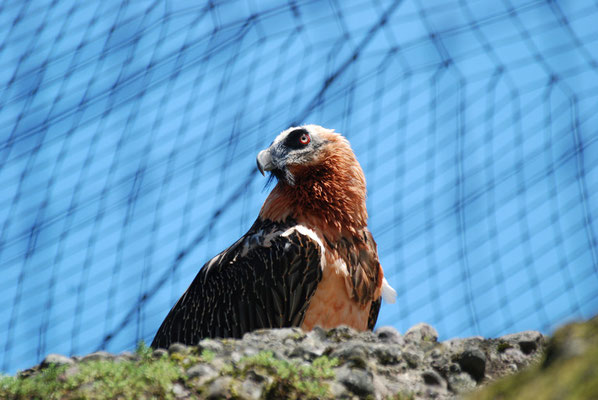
[{"x": 308, "y": 260}]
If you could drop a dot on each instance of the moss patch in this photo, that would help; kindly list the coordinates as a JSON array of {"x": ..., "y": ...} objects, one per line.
[
  {"x": 148, "y": 377},
  {"x": 503, "y": 346},
  {"x": 290, "y": 379},
  {"x": 144, "y": 378}
]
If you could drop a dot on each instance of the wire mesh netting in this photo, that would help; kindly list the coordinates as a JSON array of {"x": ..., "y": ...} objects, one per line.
[{"x": 129, "y": 130}]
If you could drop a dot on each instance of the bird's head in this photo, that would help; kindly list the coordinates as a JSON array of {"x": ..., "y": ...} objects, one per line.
[
  {"x": 302, "y": 150},
  {"x": 318, "y": 177}
]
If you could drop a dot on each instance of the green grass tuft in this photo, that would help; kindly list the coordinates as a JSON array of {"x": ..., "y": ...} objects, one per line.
[
  {"x": 207, "y": 355},
  {"x": 143, "y": 351},
  {"x": 291, "y": 379},
  {"x": 145, "y": 378}
]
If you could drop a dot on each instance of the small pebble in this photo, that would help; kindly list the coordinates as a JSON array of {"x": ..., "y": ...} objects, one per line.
[
  {"x": 389, "y": 334},
  {"x": 357, "y": 381},
  {"x": 159, "y": 353},
  {"x": 177, "y": 348},
  {"x": 201, "y": 370},
  {"x": 421, "y": 332},
  {"x": 57, "y": 359},
  {"x": 98, "y": 356}
]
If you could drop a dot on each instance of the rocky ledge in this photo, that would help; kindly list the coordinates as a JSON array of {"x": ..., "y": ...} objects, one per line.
[{"x": 290, "y": 363}]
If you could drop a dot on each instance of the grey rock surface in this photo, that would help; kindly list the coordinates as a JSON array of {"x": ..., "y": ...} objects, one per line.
[
  {"x": 178, "y": 348},
  {"x": 377, "y": 365}
]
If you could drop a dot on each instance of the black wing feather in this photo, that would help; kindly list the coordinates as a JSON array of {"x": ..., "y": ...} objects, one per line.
[
  {"x": 256, "y": 283},
  {"x": 374, "y": 310}
]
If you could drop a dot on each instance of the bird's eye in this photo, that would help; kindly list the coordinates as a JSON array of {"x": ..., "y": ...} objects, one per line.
[{"x": 297, "y": 139}]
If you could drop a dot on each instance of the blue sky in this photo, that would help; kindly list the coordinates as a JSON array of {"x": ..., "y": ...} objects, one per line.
[{"x": 129, "y": 134}]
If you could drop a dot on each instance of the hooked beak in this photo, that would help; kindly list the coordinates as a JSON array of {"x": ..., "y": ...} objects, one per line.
[{"x": 264, "y": 161}]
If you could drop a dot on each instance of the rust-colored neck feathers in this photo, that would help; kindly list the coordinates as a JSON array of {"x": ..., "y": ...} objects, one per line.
[{"x": 329, "y": 193}]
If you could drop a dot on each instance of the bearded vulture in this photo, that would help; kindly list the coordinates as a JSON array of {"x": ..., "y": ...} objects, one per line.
[{"x": 308, "y": 260}]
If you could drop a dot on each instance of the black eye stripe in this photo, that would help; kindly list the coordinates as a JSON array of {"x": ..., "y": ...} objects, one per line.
[
  {"x": 296, "y": 134},
  {"x": 293, "y": 139}
]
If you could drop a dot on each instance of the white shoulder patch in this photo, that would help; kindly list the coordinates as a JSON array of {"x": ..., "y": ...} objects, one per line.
[
  {"x": 340, "y": 267},
  {"x": 388, "y": 293},
  {"x": 302, "y": 229}
]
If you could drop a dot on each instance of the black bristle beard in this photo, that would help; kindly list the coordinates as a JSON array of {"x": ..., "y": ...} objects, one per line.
[{"x": 280, "y": 175}]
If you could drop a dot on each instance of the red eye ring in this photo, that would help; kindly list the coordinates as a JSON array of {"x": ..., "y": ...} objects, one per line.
[{"x": 304, "y": 139}]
